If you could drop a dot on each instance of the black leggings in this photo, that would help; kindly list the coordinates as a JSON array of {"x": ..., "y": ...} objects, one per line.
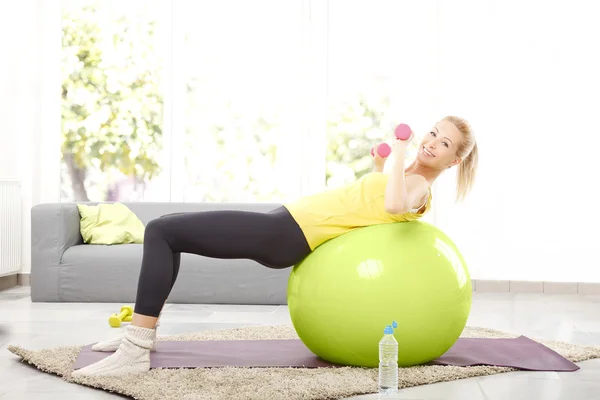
[{"x": 272, "y": 239}]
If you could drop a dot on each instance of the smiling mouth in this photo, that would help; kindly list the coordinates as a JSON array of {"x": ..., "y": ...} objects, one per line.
[{"x": 427, "y": 152}]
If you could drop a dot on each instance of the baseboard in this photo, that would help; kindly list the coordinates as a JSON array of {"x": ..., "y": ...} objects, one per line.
[
  {"x": 539, "y": 287},
  {"x": 25, "y": 279},
  {"x": 6, "y": 282}
]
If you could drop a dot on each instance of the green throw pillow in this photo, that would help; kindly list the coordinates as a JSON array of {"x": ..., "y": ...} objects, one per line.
[{"x": 110, "y": 224}]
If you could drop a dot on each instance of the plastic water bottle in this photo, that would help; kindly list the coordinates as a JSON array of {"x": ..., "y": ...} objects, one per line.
[{"x": 388, "y": 361}]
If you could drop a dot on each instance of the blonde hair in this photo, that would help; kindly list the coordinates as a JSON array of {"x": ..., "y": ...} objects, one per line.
[{"x": 465, "y": 177}]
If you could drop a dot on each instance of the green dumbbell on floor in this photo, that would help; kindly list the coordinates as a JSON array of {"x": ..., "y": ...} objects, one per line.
[{"x": 125, "y": 315}]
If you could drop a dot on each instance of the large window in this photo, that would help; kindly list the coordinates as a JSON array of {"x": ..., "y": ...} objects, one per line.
[
  {"x": 225, "y": 100},
  {"x": 183, "y": 101},
  {"x": 112, "y": 99}
]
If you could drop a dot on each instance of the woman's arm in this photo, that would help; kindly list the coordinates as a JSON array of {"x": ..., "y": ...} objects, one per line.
[{"x": 403, "y": 193}]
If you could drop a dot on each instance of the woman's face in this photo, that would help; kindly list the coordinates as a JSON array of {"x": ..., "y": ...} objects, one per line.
[{"x": 439, "y": 147}]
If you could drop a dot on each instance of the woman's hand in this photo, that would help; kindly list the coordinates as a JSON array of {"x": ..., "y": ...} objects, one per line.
[
  {"x": 379, "y": 162},
  {"x": 399, "y": 146}
]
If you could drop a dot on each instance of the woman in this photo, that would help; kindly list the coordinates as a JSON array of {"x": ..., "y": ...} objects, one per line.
[{"x": 283, "y": 237}]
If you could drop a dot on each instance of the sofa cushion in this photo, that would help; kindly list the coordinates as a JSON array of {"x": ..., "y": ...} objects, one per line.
[{"x": 110, "y": 224}]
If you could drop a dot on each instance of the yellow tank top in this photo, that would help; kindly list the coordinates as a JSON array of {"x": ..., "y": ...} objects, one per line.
[{"x": 331, "y": 213}]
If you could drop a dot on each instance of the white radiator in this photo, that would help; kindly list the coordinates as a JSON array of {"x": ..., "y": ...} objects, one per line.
[{"x": 10, "y": 227}]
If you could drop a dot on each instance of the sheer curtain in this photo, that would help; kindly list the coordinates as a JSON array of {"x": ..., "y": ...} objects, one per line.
[{"x": 30, "y": 105}]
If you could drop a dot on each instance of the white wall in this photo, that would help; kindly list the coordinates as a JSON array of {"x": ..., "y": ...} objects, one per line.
[
  {"x": 527, "y": 75},
  {"x": 30, "y": 104}
]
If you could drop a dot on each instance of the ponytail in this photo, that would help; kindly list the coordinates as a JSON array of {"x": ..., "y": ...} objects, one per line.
[{"x": 465, "y": 177}]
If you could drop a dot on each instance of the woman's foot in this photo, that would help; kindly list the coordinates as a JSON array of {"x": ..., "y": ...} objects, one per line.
[
  {"x": 113, "y": 344},
  {"x": 131, "y": 357}
]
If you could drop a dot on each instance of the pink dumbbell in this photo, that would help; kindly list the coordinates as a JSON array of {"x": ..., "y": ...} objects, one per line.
[
  {"x": 402, "y": 131},
  {"x": 383, "y": 149}
]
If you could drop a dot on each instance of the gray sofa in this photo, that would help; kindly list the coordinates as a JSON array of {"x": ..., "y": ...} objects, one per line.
[{"x": 64, "y": 269}]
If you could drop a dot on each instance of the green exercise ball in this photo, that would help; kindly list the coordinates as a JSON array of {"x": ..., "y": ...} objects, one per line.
[{"x": 343, "y": 294}]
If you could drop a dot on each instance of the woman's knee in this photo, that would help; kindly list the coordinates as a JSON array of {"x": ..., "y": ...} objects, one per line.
[{"x": 155, "y": 227}]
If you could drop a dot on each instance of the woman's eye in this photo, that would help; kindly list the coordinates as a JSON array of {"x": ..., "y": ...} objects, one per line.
[
  {"x": 446, "y": 144},
  {"x": 432, "y": 133}
]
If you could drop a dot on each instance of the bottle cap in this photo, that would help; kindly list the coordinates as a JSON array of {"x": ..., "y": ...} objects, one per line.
[{"x": 388, "y": 330}]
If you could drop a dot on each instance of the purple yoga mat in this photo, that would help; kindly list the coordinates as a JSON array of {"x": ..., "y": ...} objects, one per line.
[{"x": 522, "y": 353}]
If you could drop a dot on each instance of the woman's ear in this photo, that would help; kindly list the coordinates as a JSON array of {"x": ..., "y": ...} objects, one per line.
[{"x": 454, "y": 162}]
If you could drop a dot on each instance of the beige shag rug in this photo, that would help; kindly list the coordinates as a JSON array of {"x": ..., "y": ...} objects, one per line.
[{"x": 269, "y": 383}]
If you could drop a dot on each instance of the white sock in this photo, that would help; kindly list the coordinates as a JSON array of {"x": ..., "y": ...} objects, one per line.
[
  {"x": 132, "y": 356},
  {"x": 113, "y": 344}
]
